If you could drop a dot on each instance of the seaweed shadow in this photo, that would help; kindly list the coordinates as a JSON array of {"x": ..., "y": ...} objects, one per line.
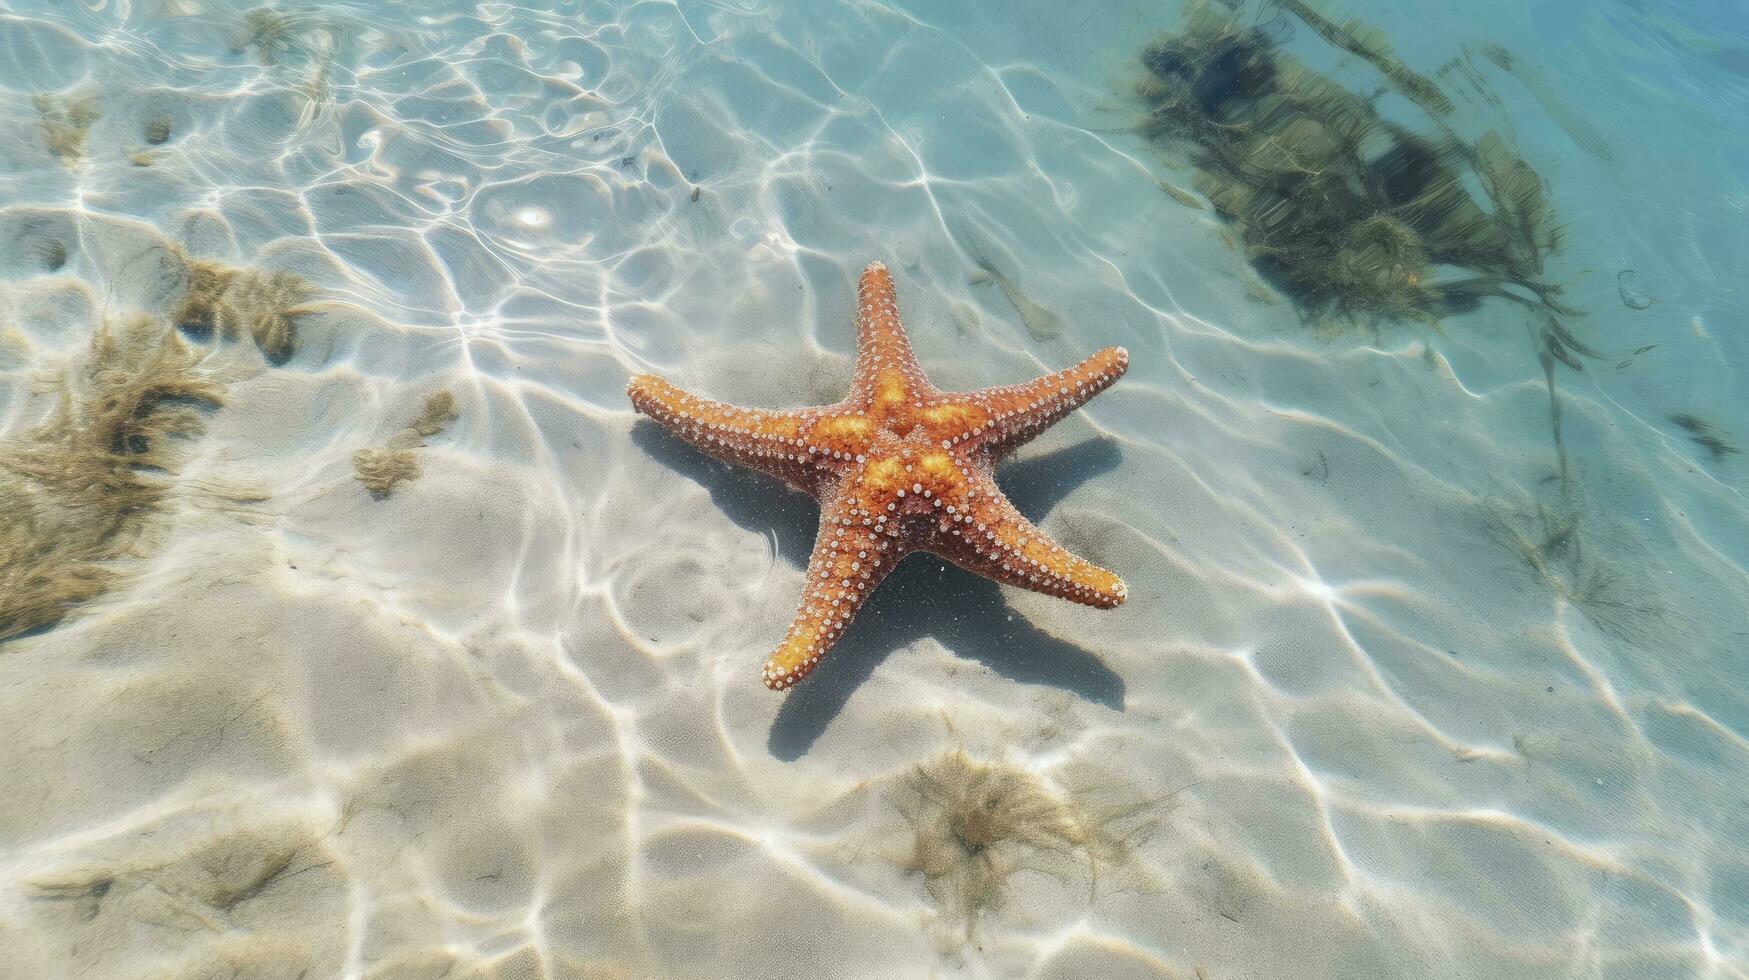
[{"x": 925, "y": 596}]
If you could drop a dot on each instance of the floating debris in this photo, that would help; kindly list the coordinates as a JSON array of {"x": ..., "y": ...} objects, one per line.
[
  {"x": 76, "y": 492},
  {"x": 380, "y": 469},
  {"x": 1632, "y": 297}
]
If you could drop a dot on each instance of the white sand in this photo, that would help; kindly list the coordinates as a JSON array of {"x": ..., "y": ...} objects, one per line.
[{"x": 508, "y": 720}]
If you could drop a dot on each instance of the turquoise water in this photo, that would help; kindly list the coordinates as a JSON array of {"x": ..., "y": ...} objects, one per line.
[{"x": 354, "y": 680}]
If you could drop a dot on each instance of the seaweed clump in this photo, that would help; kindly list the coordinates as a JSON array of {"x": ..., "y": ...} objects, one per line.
[
  {"x": 1350, "y": 213},
  {"x": 975, "y": 824},
  {"x": 65, "y": 123},
  {"x": 263, "y": 305},
  {"x": 76, "y": 493},
  {"x": 1345, "y": 210},
  {"x": 380, "y": 469}
]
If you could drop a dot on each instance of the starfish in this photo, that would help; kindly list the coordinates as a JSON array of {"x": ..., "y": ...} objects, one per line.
[{"x": 898, "y": 467}]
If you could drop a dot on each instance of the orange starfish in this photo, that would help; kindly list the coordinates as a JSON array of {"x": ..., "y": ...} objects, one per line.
[{"x": 897, "y": 467}]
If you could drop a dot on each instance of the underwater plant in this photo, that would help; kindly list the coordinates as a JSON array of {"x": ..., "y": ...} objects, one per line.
[
  {"x": 975, "y": 824},
  {"x": 264, "y": 305},
  {"x": 1370, "y": 45},
  {"x": 1349, "y": 213},
  {"x": 77, "y": 491},
  {"x": 380, "y": 469},
  {"x": 65, "y": 122}
]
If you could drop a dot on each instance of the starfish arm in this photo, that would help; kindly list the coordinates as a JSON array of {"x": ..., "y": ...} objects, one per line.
[
  {"x": 1023, "y": 411},
  {"x": 994, "y": 540},
  {"x": 885, "y": 364},
  {"x": 751, "y": 437},
  {"x": 849, "y": 560}
]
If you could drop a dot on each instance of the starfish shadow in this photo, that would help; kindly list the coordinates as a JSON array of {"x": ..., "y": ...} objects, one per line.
[{"x": 925, "y": 596}]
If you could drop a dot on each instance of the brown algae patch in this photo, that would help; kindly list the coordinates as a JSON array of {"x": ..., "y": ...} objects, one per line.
[
  {"x": 380, "y": 469},
  {"x": 65, "y": 123},
  {"x": 76, "y": 492},
  {"x": 976, "y": 824},
  {"x": 236, "y": 301}
]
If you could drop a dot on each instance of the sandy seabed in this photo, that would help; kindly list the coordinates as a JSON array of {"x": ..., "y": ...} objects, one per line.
[{"x": 394, "y": 645}]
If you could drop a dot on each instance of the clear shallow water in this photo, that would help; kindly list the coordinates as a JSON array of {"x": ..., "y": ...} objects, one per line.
[{"x": 507, "y": 718}]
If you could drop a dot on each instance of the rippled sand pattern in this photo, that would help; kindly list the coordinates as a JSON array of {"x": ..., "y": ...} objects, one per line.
[{"x": 1382, "y": 701}]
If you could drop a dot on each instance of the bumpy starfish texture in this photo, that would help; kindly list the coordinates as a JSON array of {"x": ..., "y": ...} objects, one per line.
[{"x": 897, "y": 467}]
